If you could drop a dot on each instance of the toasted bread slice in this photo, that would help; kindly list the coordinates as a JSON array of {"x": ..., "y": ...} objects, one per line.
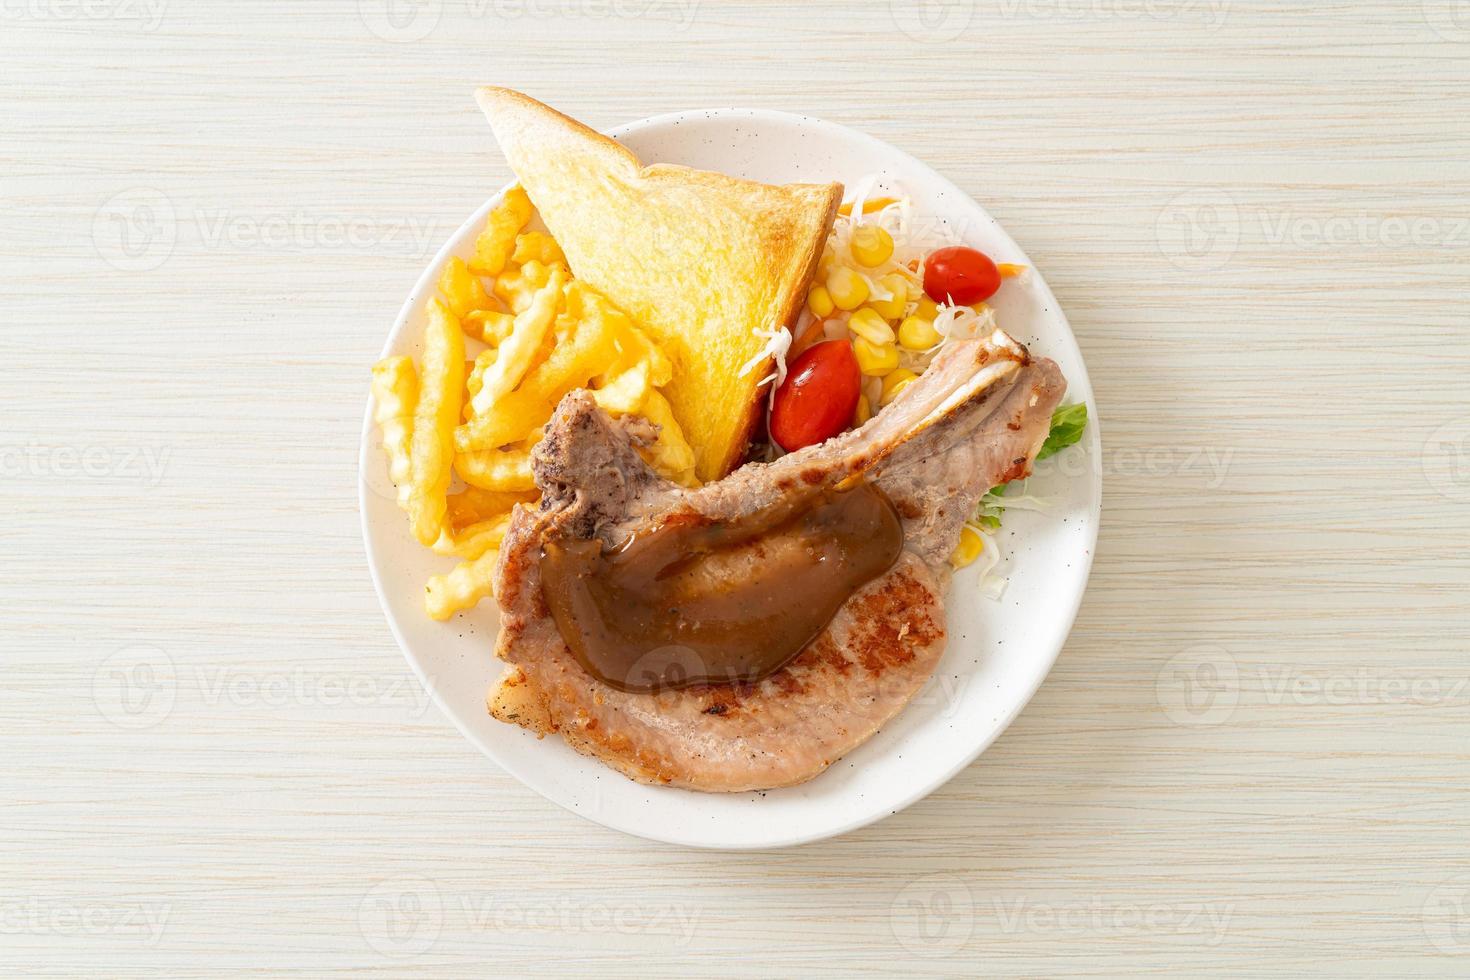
[{"x": 700, "y": 260}]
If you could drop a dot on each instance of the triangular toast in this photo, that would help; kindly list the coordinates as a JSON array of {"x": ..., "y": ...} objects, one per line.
[{"x": 700, "y": 260}]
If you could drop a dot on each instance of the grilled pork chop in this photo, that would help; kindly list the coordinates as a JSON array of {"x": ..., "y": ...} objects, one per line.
[{"x": 975, "y": 418}]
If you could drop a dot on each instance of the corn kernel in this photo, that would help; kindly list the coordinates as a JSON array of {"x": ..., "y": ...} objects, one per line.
[
  {"x": 894, "y": 382},
  {"x": 825, "y": 263},
  {"x": 819, "y": 301},
  {"x": 847, "y": 289},
  {"x": 871, "y": 245},
  {"x": 864, "y": 411},
  {"x": 928, "y": 309},
  {"x": 892, "y": 309},
  {"x": 873, "y": 360},
  {"x": 917, "y": 333},
  {"x": 971, "y": 546},
  {"x": 867, "y": 324}
]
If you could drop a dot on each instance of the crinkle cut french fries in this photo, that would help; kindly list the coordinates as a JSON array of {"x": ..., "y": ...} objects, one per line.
[
  {"x": 470, "y": 419},
  {"x": 441, "y": 390}
]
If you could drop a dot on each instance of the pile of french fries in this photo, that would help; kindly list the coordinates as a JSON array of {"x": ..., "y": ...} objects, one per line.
[{"x": 539, "y": 334}]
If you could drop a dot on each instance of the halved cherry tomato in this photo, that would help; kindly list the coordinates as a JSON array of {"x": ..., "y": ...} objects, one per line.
[
  {"x": 960, "y": 275},
  {"x": 818, "y": 397}
]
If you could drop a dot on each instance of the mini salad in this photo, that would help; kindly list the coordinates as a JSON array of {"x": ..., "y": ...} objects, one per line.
[{"x": 886, "y": 297}]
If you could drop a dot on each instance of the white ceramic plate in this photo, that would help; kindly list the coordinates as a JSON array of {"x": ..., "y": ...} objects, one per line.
[{"x": 998, "y": 651}]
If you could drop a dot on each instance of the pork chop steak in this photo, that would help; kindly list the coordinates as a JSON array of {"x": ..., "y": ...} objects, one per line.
[{"x": 975, "y": 418}]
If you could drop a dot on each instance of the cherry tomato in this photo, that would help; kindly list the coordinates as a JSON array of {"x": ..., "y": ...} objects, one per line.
[
  {"x": 818, "y": 397},
  {"x": 960, "y": 275}
]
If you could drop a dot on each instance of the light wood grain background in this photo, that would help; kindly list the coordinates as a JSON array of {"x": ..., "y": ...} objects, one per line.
[{"x": 1252, "y": 756}]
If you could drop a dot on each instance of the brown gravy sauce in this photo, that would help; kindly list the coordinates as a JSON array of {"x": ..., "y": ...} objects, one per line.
[{"x": 692, "y": 601}]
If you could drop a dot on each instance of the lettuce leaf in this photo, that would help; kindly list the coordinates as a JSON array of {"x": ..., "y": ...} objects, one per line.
[
  {"x": 988, "y": 513},
  {"x": 1067, "y": 424}
]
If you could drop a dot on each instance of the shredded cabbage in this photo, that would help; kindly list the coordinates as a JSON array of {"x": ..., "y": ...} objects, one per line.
[
  {"x": 1067, "y": 424},
  {"x": 963, "y": 322},
  {"x": 860, "y": 197},
  {"x": 997, "y": 501},
  {"x": 778, "y": 342},
  {"x": 991, "y": 586}
]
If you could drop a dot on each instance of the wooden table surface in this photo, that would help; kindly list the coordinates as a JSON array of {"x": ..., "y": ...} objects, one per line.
[{"x": 1252, "y": 756}]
